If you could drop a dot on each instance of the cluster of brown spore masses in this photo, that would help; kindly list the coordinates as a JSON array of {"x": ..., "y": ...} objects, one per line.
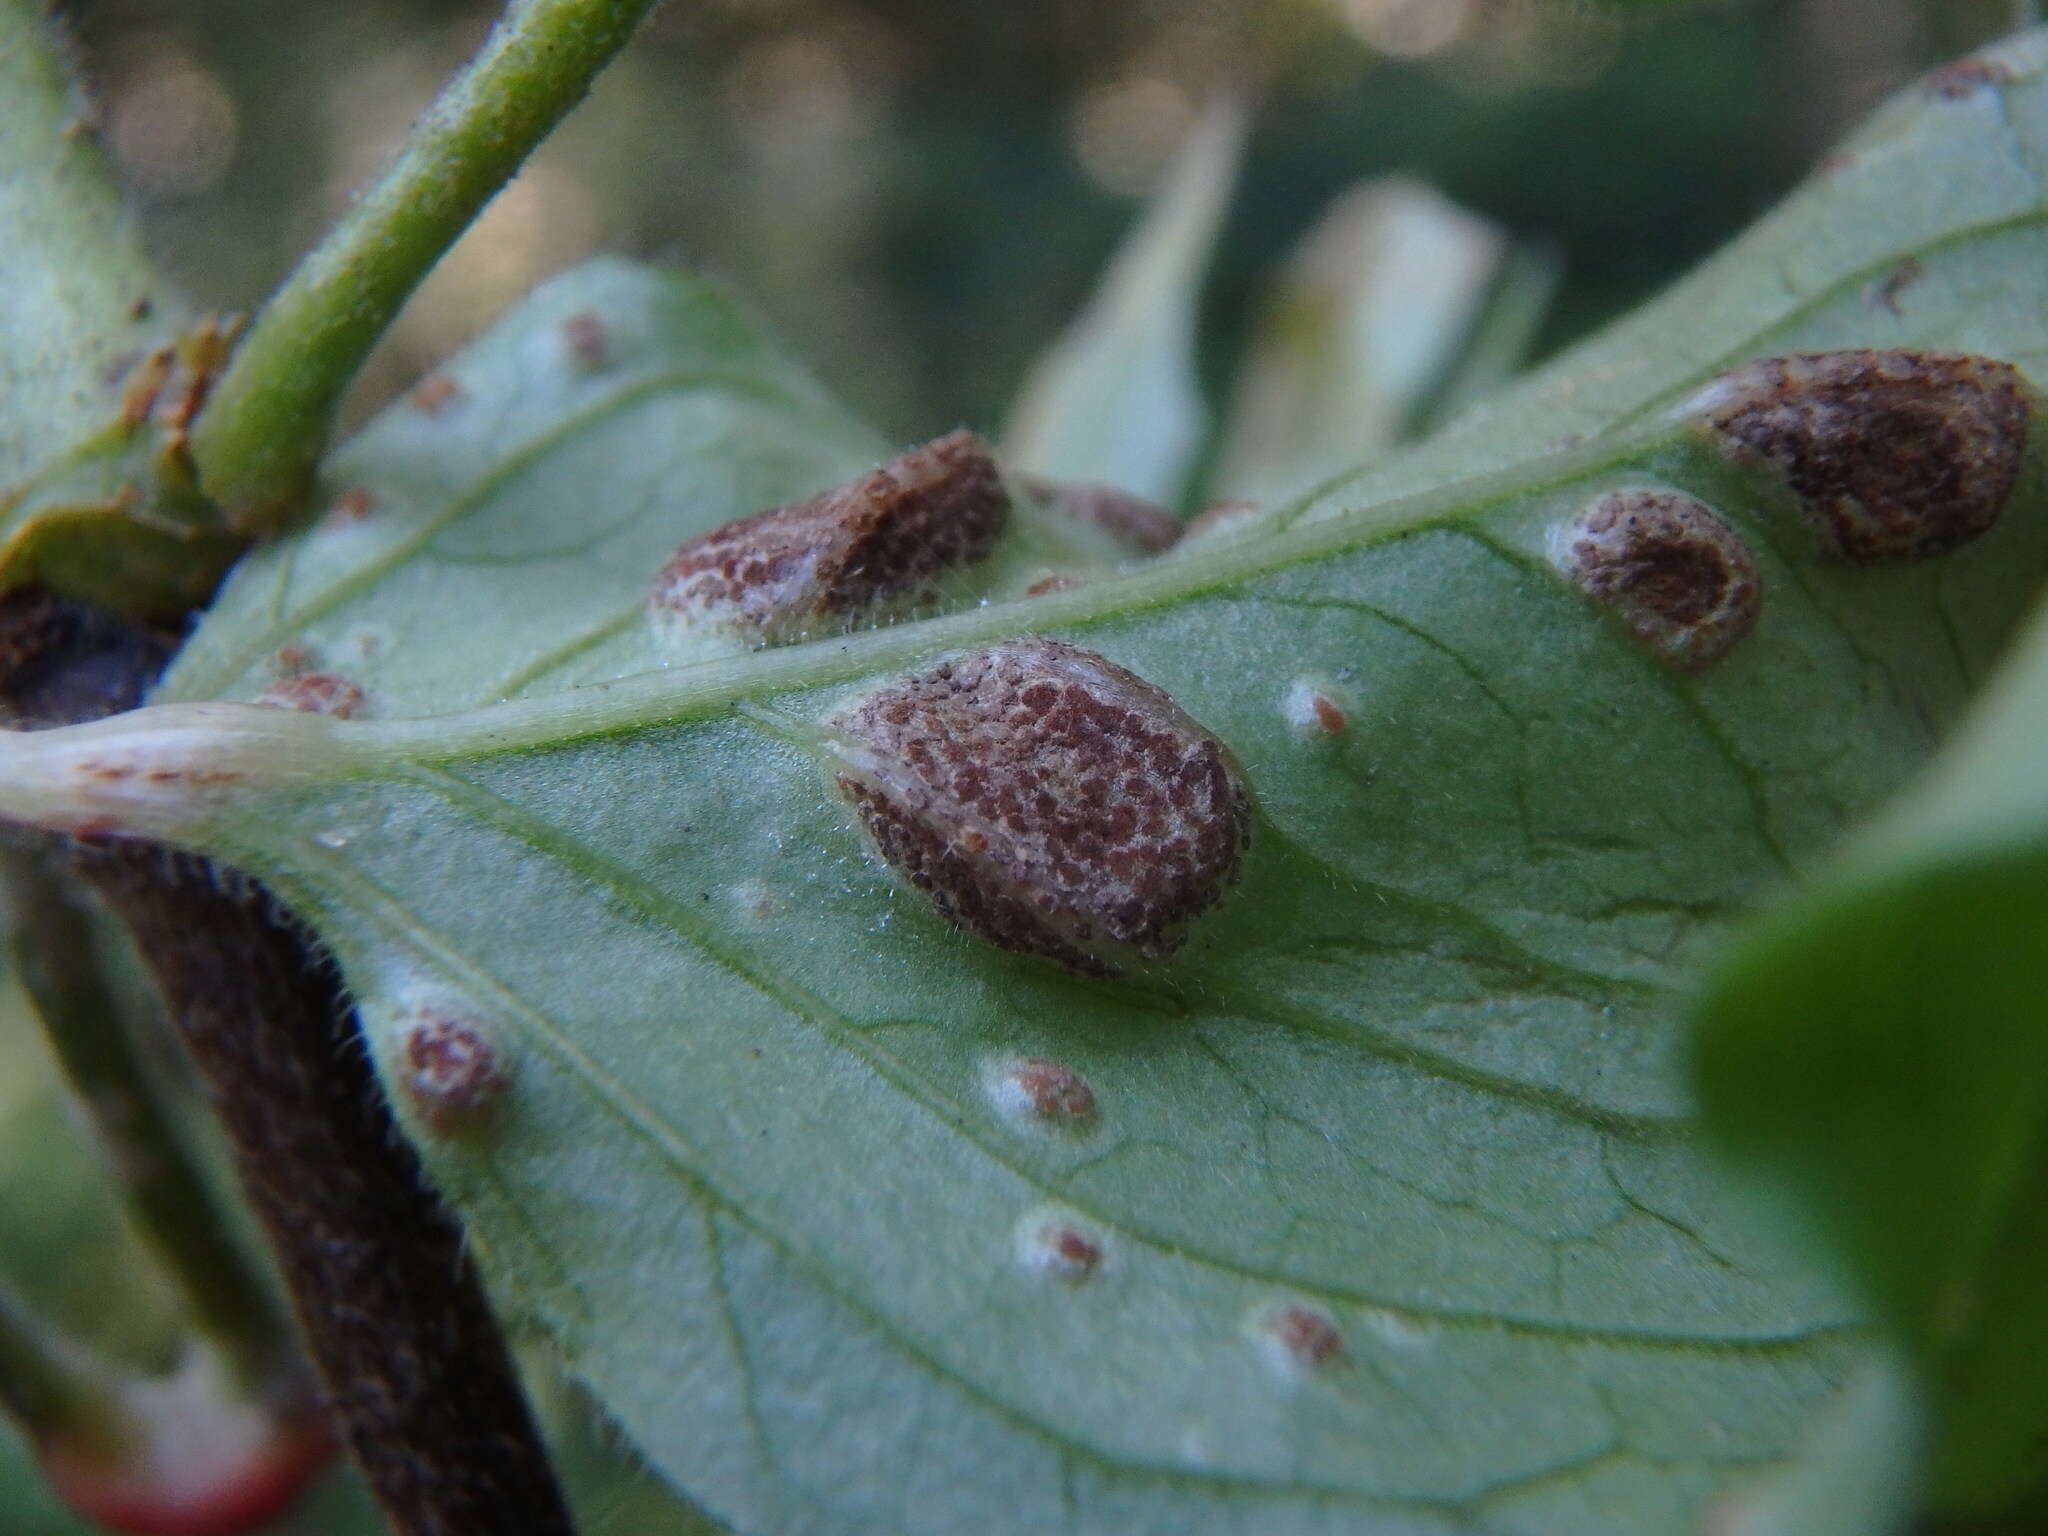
[
  {"x": 319, "y": 693},
  {"x": 1893, "y": 455},
  {"x": 1677, "y": 576},
  {"x": 884, "y": 538},
  {"x": 1049, "y": 802}
]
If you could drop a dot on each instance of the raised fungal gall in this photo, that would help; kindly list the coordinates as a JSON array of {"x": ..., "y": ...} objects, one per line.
[
  {"x": 885, "y": 538},
  {"x": 1048, "y": 801},
  {"x": 1891, "y": 455},
  {"x": 451, "y": 1069},
  {"x": 1679, "y": 578}
]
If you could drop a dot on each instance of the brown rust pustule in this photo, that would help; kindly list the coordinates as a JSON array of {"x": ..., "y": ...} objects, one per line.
[
  {"x": 1892, "y": 455},
  {"x": 316, "y": 693},
  {"x": 1677, "y": 576},
  {"x": 1049, "y": 802},
  {"x": 886, "y": 537},
  {"x": 451, "y": 1069}
]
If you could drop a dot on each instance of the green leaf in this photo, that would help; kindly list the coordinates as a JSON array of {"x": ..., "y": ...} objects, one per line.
[
  {"x": 1366, "y": 320},
  {"x": 75, "y": 293},
  {"x": 1414, "y": 1088},
  {"x": 86, "y": 504},
  {"x": 1858, "y": 1476},
  {"x": 1877, "y": 1052},
  {"x": 1115, "y": 401}
]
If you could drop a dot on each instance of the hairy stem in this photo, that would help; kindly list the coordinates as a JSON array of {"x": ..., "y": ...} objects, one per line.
[
  {"x": 417, "y": 1375},
  {"x": 58, "y": 957},
  {"x": 271, "y": 412}
]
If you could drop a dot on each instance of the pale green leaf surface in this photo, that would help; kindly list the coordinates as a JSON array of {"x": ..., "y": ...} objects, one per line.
[
  {"x": 1115, "y": 401},
  {"x": 71, "y": 273},
  {"x": 1878, "y": 1055},
  {"x": 1858, "y": 1475},
  {"x": 1419, "y": 1073},
  {"x": 1365, "y": 321}
]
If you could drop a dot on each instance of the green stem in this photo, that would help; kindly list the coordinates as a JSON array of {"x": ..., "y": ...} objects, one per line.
[
  {"x": 57, "y": 955},
  {"x": 45, "y": 1387},
  {"x": 270, "y": 415}
]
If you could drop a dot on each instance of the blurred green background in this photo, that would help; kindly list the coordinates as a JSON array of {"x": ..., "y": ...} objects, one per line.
[{"x": 919, "y": 192}]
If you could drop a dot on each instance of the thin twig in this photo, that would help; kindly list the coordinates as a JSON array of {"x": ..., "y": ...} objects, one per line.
[{"x": 271, "y": 412}]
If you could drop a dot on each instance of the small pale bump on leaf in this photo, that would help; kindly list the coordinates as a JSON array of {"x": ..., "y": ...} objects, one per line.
[
  {"x": 435, "y": 394},
  {"x": 586, "y": 340},
  {"x": 1675, "y": 574},
  {"x": 1057, "y": 1245},
  {"x": 452, "y": 1069},
  {"x": 888, "y": 537},
  {"x": 1034, "y": 1090},
  {"x": 1316, "y": 708},
  {"x": 1297, "y": 1338},
  {"x": 1048, "y": 801},
  {"x": 1891, "y": 456},
  {"x": 351, "y": 506}
]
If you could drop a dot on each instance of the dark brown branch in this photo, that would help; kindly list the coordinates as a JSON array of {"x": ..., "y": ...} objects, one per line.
[{"x": 416, "y": 1372}]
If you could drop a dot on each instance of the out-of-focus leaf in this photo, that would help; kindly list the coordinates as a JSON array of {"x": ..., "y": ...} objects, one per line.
[
  {"x": 1414, "y": 1086},
  {"x": 66, "y": 1250},
  {"x": 94, "y": 497},
  {"x": 1857, "y": 1476},
  {"x": 1366, "y": 320},
  {"x": 1909, "y": 235},
  {"x": 1115, "y": 402},
  {"x": 1502, "y": 336},
  {"x": 1878, "y": 1051},
  {"x": 76, "y": 296}
]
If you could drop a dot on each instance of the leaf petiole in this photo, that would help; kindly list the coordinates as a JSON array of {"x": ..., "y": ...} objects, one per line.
[{"x": 271, "y": 413}]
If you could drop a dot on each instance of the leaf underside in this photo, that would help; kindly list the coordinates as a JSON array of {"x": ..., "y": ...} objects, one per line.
[{"x": 1418, "y": 1076}]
